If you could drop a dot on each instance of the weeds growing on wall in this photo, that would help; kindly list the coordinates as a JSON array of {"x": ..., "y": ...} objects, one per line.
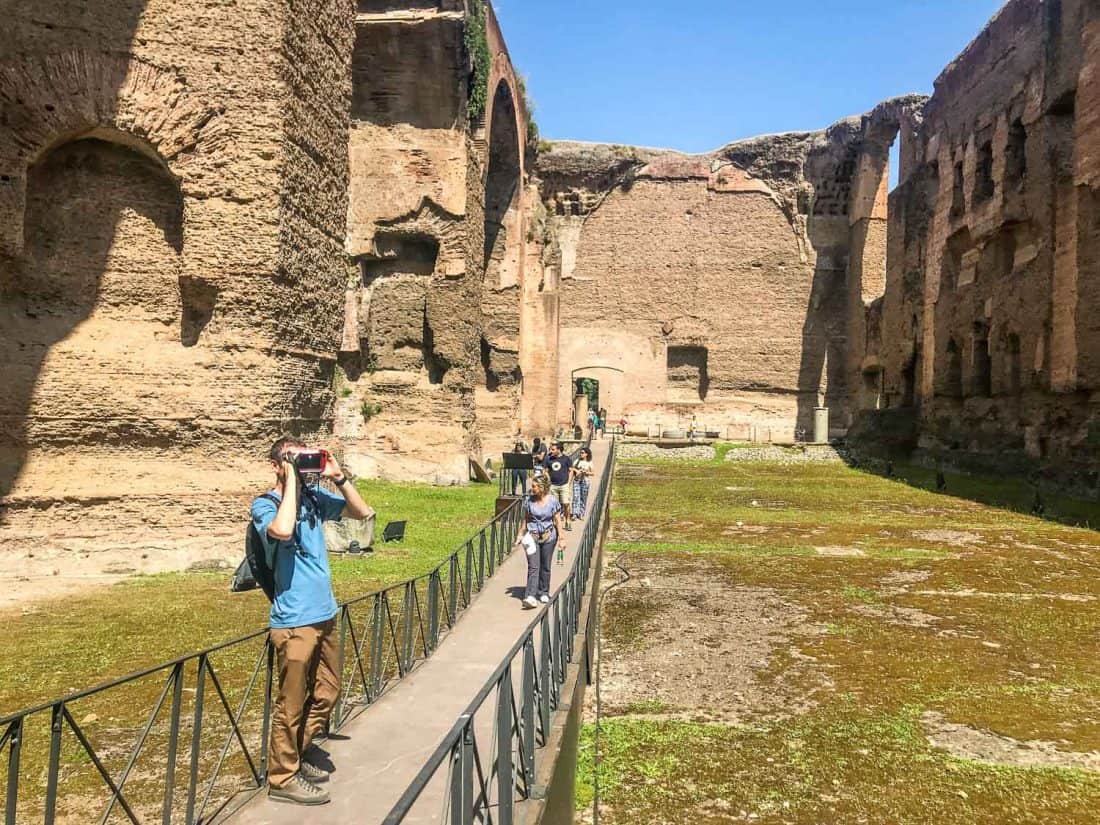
[
  {"x": 370, "y": 410},
  {"x": 477, "y": 47},
  {"x": 529, "y": 108}
]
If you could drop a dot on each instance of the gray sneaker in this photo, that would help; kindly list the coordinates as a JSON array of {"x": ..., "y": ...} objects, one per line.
[
  {"x": 300, "y": 791},
  {"x": 312, "y": 773}
]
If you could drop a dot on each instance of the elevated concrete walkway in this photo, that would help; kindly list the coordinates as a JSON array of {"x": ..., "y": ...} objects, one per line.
[{"x": 378, "y": 755}]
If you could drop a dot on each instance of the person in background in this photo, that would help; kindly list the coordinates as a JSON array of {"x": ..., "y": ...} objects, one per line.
[
  {"x": 519, "y": 477},
  {"x": 539, "y": 535},
  {"x": 582, "y": 479},
  {"x": 603, "y": 421},
  {"x": 559, "y": 467},
  {"x": 538, "y": 453}
]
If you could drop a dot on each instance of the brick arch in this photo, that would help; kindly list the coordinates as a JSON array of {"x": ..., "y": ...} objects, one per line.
[{"x": 53, "y": 100}]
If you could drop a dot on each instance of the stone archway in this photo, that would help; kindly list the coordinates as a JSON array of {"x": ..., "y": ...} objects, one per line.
[{"x": 504, "y": 241}]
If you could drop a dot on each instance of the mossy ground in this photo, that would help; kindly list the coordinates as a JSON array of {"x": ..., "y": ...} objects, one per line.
[
  {"x": 907, "y": 602},
  {"x": 52, "y": 648}
]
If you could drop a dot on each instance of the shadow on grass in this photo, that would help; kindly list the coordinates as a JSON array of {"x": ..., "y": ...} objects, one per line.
[{"x": 1008, "y": 492}]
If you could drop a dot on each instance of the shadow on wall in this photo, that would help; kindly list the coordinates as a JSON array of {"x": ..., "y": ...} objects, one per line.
[
  {"x": 102, "y": 238},
  {"x": 821, "y": 363}
]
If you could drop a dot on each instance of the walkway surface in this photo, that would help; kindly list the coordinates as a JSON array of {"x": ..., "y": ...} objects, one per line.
[{"x": 390, "y": 742}]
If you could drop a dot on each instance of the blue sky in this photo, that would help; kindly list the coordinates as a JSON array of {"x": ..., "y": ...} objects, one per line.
[{"x": 697, "y": 74}]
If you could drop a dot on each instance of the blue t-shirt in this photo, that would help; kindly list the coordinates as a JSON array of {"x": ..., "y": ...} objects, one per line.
[
  {"x": 558, "y": 468},
  {"x": 540, "y": 516},
  {"x": 303, "y": 583}
]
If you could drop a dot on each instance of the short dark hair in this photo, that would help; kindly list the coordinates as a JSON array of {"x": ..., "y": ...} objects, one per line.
[
  {"x": 277, "y": 449},
  {"x": 560, "y": 446}
]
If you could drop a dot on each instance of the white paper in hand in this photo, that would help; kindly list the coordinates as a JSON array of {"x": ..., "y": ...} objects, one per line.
[{"x": 528, "y": 542}]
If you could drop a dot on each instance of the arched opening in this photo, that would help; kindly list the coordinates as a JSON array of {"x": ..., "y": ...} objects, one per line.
[
  {"x": 503, "y": 245},
  {"x": 502, "y": 187},
  {"x": 1012, "y": 365},
  {"x": 952, "y": 384},
  {"x": 92, "y": 324}
]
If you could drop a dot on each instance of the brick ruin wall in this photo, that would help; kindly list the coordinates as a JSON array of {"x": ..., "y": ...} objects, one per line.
[
  {"x": 986, "y": 343},
  {"x": 705, "y": 289},
  {"x": 172, "y": 197},
  {"x": 430, "y": 352},
  {"x": 218, "y": 223}
]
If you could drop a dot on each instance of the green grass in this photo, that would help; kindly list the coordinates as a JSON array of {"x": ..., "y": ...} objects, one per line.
[
  {"x": 913, "y": 601},
  {"x": 80, "y": 640}
]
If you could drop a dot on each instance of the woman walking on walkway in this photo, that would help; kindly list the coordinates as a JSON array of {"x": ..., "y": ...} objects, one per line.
[
  {"x": 581, "y": 482},
  {"x": 540, "y": 533}
]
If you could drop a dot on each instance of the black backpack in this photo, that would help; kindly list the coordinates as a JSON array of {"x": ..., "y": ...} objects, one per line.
[{"x": 254, "y": 571}]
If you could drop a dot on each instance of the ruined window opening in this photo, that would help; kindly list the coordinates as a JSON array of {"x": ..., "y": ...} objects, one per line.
[
  {"x": 435, "y": 364},
  {"x": 687, "y": 373},
  {"x": 909, "y": 380},
  {"x": 400, "y": 254},
  {"x": 1012, "y": 351},
  {"x": 1016, "y": 155},
  {"x": 198, "y": 301},
  {"x": 982, "y": 384},
  {"x": 983, "y": 173},
  {"x": 958, "y": 267},
  {"x": 396, "y": 70},
  {"x": 958, "y": 196},
  {"x": 872, "y": 389},
  {"x": 952, "y": 386}
]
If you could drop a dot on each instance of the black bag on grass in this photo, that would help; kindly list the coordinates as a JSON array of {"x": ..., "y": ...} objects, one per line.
[{"x": 254, "y": 571}]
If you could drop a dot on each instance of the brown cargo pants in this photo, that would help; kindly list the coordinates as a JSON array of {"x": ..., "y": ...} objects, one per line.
[{"x": 307, "y": 660}]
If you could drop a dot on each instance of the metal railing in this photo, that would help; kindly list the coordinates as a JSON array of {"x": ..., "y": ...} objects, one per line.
[
  {"x": 512, "y": 711},
  {"x": 189, "y": 763}
]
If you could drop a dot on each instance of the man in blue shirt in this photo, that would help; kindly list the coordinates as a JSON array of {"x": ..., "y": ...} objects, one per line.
[{"x": 303, "y": 612}]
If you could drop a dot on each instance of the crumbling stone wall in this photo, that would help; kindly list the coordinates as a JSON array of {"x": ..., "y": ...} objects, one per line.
[
  {"x": 172, "y": 205},
  {"x": 988, "y": 320},
  {"x": 434, "y": 239},
  {"x": 708, "y": 287}
]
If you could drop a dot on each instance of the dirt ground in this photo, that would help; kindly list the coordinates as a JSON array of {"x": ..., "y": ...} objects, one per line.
[{"x": 814, "y": 644}]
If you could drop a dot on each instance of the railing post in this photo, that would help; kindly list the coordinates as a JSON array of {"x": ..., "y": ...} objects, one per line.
[
  {"x": 433, "y": 612},
  {"x": 15, "y": 746},
  {"x": 492, "y": 547},
  {"x": 452, "y": 592},
  {"x": 527, "y": 710},
  {"x": 408, "y": 636},
  {"x": 196, "y": 741},
  {"x": 481, "y": 561},
  {"x": 469, "y": 572},
  {"x": 462, "y": 777},
  {"x": 173, "y": 744},
  {"x": 265, "y": 727},
  {"x": 505, "y": 768},
  {"x": 377, "y": 633},
  {"x": 338, "y": 708},
  {"x": 544, "y": 676},
  {"x": 56, "y": 721}
]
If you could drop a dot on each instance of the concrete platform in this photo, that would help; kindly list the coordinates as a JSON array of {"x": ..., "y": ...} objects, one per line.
[{"x": 390, "y": 742}]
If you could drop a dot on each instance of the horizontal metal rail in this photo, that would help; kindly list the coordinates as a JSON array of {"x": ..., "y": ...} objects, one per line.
[
  {"x": 486, "y": 778},
  {"x": 199, "y": 724}
]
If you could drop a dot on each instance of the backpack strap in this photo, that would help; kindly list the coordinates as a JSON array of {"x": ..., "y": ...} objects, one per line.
[{"x": 276, "y": 501}]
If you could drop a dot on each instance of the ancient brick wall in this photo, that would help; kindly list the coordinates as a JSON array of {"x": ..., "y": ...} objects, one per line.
[
  {"x": 172, "y": 200},
  {"x": 430, "y": 349},
  {"x": 988, "y": 318},
  {"x": 704, "y": 287}
]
